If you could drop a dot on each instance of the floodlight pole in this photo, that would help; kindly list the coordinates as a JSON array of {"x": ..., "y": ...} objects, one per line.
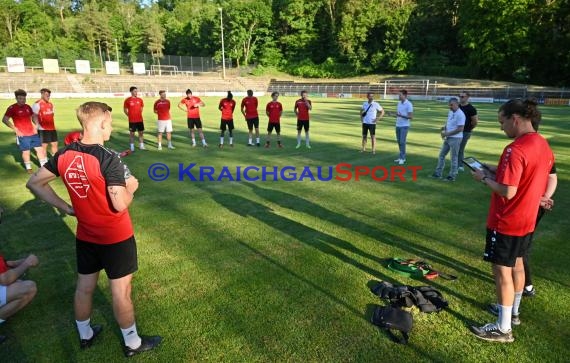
[{"x": 223, "y": 50}]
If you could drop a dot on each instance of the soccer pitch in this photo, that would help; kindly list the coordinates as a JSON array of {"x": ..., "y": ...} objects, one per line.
[{"x": 278, "y": 270}]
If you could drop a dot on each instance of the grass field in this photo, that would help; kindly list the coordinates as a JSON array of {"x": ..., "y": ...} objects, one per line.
[{"x": 278, "y": 271}]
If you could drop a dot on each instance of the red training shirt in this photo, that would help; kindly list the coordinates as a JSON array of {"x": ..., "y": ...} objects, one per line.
[
  {"x": 3, "y": 265},
  {"x": 227, "y": 107},
  {"x": 273, "y": 110},
  {"x": 162, "y": 108},
  {"x": 22, "y": 118},
  {"x": 302, "y": 109},
  {"x": 45, "y": 112},
  {"x": 72, "y": 137},
  {"x": 192, "y": 106},
  {"x": 250, "y": 104},
  {"x": 525, "y": 164},
  {"x": 87, "y": 171},
  {"x": 134, "y": 106}
]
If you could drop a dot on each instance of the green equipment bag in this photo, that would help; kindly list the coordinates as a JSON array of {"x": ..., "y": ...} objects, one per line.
[{"x": 408, "y": 268}]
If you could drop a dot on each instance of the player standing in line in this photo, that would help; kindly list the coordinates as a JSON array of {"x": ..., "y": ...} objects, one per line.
[
  {"x": 44, "y": 111},
  {"x": 302, "y": 107},
  {"x": 25, "y": 127},
  {"x": 274, "y": 109},
  {"x": 227, "y": 106},
  {"x": 405, "y": 112},
  {"x": 133, "y": 108},
  {"x": 471, "y": 120},
  {"x": 164, "y": 123},
  {"x": 249, "y": 111},
  {"x": 369, "y": 117},
  {"x": 101, "y": 189},
  {"x": 192, "y": 108}
]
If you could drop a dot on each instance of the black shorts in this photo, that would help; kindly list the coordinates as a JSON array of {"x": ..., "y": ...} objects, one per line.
[
  {"x": 48, "y": 136},
  {"x": 194, "y": 122},
  {"x": 303, "y": 124},
  {"x": 136, "y": 126},
  {"x": 368, "y": 127},
  {"x": 504, "y": 250},
  {"x": 272, "y": 126},
  {"x": 252, "y": 122},
  {"x": 118, "y": 259},
  {"x": 228, "y": 124}
]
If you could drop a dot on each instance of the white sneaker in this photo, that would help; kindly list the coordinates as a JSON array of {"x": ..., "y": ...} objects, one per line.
[
  {"x": 141, "y": 146},
  {"x": 402, "y": 161},
  {"x": 171, "y": 147},
  {"x": 397, "y": 160},
  {"x": 159, "y": 147},
  {"x": 461, "y": 168}
]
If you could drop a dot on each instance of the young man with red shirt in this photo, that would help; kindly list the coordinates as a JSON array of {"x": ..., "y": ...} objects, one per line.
[
  {"x": 518, "y": 185},
  {"x": 227, "y": 106},
  {"x": 15, "y": 293},
  {"x": 274, "y": 109},
  {"x": 133, "y": 108},
  {"x": 26, "y": 129},
  {"x": 101, "y": 189},
  {"x": 191, "y": 105},
  {"x": 164, "y": 123},
  {"x": 44, "y": 111},
  {"x": 249, "y": 111},
  {"x": 302, "y": 107}
]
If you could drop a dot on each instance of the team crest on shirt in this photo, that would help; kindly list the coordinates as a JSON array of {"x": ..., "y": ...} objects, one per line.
[{"x": 76, "y": 177}]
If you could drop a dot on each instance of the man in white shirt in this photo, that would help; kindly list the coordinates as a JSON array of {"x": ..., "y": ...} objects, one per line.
[
  {"x": 452, "y": 135},
  {"x": 369, "y": 116},
  {"x": 405, "y": 112}
]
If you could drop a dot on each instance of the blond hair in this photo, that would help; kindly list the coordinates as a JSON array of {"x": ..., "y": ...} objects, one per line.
[{"x": 90, "y": 110}]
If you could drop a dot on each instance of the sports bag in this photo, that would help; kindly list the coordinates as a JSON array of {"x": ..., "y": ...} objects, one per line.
[{"x": 390, "y": 318}]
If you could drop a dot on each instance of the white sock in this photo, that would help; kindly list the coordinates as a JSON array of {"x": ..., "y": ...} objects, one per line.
[
  {"x": 170, "y": 143},
  {"x": 504, "y": 321},
  {"x": 307, "y": 139},
  {"x": 221, "y": 140},
  {"x": 298, "y": 139},
  {"x": 131, "y": 337},
  {"x": 231, "y": 140},
  {"x": 160, "y": 144},
  {"x": 204, "y": 141},
  {"x": 43, "y": 161},
  {"x": 249, "y": 141},
  {"x": 194, "y": 141},
  {"x": 141, "y": 144},
  {"x": 517, "y": 303},
  {"x": 84, "y": 329},
  {"x": 528, "y": 287},
  {"x": 132, "y": 146},
  {"x": 28, "y": 165},
  {"x": 257, "y": 140}
]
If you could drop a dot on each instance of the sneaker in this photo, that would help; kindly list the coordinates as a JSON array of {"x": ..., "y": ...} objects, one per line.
[
  {"x": 258, "y": 144},
  {"x": 461, "y": 168},
  {"x": 221, "y": 146},
  {"x": 449, "y": 178},
  {"x": 492, "y": 333},
  {"x": 193, "y": 145},
  {"x": 29, "y": 171},
  {"x": 171, "y": 147},
  {"x": 267, "y": 146},
  {"x": 141, "y": 146},
  {"x": 159, "y": 147},
  {"x": 231, "y": 145},
  {"x": 529, "y": 293},
  {"x": 280, "y": 146},
  {"x": 402, "y": 162},
  {"x": 494, "y": 309},
  {"x": 397, "y": 160},
  {"x": 205, "y": 145},
  {"x": 86, "y": 343},
  {"x": 435, "y": 176},
  {"x": 147, "y": 343},
  {"x": 308, "y": 146},
  {"x": 248, "y": 144},
  {"x": 298, "y": 146}
]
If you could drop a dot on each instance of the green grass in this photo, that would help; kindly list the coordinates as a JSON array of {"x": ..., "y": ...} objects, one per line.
[{"x": 278, "y": 271}]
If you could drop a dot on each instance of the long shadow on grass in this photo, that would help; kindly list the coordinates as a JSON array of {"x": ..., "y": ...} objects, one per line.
[{"x": 294, "y": 202}]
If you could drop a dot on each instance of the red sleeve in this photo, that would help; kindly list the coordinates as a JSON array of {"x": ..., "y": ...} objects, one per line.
[
  {"x": 9, "y": 111},
  {"x": 125, "y": 103},
  {"x": 511, "y": 167}
]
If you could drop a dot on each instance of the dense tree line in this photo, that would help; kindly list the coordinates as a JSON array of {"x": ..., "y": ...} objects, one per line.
[{"x": 520, "y": 40}]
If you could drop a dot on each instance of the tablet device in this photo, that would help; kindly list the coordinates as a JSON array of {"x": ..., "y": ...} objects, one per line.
[{"x": 475, "y": 165}]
